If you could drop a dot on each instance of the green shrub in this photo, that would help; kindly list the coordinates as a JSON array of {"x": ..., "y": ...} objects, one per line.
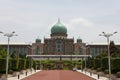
[
  {"x": 118, "y": 74},
  {"x": 10, "y": 71},
  {"x": 22, "y": 64},
  {"x": 14, "y": 64},
  {"x": 97, "y": 63},
  {"x": 106, "y": 71},
  {"x": 115, "y": 64},
  {"x": 28, "y": 63},
  {"x": 89, "y": 63},
  {"x": 104, "y": 63},
  {"x": 99, "y": 69},
  {"x": 2, "y": 65},
  {"x": 51, "y": 64}
]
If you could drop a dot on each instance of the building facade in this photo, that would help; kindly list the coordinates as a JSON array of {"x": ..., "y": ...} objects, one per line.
[
  {"x": 98, "y": 48},
  {"x": 17, "y": 48},
  {"x": 59, "y": 43}
]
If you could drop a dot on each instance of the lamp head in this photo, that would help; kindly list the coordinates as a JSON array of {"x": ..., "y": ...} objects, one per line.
[
  {"x": 13, "y": 32},
  {"x": 1, "y": 32},
  {"x": 100, "y": 34},
  {"x": 115, "y": 32},
  {"x": 15, "y": 35},
  {"x": 103, "y": 32}
]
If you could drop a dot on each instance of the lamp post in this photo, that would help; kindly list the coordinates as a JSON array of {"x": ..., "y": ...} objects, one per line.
[
  {"x": 108, "y": 35},
  {"x": 85, "y": 63},
  {"x": 76, "y": 59},
  {"x": 84, "y": 49},
  {"x": 30, "y": 64},
  {"x": 8, "y": 35}
]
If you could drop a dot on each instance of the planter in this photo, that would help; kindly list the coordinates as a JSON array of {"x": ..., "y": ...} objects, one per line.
[
  {"x": 23, "y": 71},
  {"x": 3, "y": 76},
  {"x": 16, "y": 73}
]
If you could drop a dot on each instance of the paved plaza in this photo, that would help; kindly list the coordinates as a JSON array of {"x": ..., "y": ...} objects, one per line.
[{"x": 58, "y": 75}]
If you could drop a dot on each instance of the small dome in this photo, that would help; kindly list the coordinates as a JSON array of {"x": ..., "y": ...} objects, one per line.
[
  {"x": 38, "y": 40},
  {"x": 79, "y": 40},
  {"x": 59, "y": 28}
]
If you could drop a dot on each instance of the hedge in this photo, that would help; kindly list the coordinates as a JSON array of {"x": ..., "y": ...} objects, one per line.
[
  {"x": 14, "y": 64},
  {"x": 50, "y": 64},
  {"x": 28, "y": 63},
  {"x": 97, "y": 63},
  {"x": 104, "y": 63},
  {"x": 22, "y": 64},
  {"x": 89, "y": 63},
  {"x": 2, "y": 65},
  {"x": 115, "y": 64}
]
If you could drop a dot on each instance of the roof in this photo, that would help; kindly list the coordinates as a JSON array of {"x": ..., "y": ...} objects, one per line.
[
  {"x": 102, "y": 44},
  {"x": 14, "y": 44},
  {"x": 59, "y": 28}
]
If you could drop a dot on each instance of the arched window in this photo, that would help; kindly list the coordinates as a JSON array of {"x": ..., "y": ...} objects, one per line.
[
  {"x": 37, "y": 50},
  {"x": 80, "y": 51},
  {"x": 58, "y": 46}
]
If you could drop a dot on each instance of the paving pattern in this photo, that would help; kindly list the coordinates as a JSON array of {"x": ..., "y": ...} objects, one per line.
[{"x": 58, "y": 75}]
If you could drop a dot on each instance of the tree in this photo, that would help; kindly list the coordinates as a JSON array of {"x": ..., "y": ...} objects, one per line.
[
  {"x": 15, "y": 55},
  {"x": 3, "y": 52},
  {"x": 103, "y": 54},
  {"x": 114, "y": 51}
]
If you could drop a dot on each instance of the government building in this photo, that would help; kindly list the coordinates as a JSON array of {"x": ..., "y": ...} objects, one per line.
[{"x": 58, "y": 44}]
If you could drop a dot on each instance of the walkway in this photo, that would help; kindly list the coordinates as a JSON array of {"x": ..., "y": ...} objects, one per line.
[
  {"x": 22, "y": 75},
  {"x": 58, "y": 75},
  {"x": 95, "y": 76}
]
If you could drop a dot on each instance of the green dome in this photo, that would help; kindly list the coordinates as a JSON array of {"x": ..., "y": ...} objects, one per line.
[
  {"x": 59, "y": 28},
  {"x": 79, "y": 40},
  {"x": 38, "y": 40}
]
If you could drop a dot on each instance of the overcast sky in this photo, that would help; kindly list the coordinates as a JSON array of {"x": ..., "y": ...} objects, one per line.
[{"x": 85, "y": 18}]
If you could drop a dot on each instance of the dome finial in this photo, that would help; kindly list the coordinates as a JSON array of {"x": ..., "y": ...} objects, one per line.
[
  {"x": 58, "y": 20},
  {"x": 79, "y": 39},
  {"x": 38, "y": 39}
]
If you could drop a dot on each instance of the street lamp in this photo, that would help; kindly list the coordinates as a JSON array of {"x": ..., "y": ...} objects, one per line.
[
  {"x": 9, "y": 35},
  {"x": 30, "y": 64},
  {"x": 76, "y": 59},
  {"x": 84, "y": 49},
  {"x": 107, "y": 35}
]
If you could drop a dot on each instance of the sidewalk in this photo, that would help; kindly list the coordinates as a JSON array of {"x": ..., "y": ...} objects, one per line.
[
  {"x": 95, "y": 76},
  {"x": 21, "y": 76}
]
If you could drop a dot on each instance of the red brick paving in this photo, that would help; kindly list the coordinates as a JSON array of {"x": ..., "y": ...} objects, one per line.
[{"x": 58, "y": 75}]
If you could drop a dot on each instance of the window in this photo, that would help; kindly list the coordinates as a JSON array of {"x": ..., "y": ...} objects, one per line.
[
  {"x": 37, "y": 50},
  {"x": 25, "y": 51},
  {"x": 59, "y": 46},
  {"x": 80, "y": 51},
  {"x": 92, "y": 51}
]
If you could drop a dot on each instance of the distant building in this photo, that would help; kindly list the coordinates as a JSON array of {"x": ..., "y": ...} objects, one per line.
[
  {"x": 18, "y": 48},
  {"x": 59, "y": 43},
  {"x": 98, "y": 48}
]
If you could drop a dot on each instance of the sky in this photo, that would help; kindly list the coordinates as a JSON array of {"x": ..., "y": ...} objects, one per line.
[{"x": 32, "y": 19}]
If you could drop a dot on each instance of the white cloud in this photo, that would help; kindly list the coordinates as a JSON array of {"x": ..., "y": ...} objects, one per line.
[
  {"x": 81, "y": 21},
  {"x": 34, "y": 18}
]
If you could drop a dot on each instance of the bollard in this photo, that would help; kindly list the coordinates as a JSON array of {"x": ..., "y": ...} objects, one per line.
[
  {"x": 90, "y": 73},
  {"x": 26, "y": 73},
  {"x": 18, "y": 76},
  {"x": 98, "y": 76},
  {"x": 31, "y": 70}
]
